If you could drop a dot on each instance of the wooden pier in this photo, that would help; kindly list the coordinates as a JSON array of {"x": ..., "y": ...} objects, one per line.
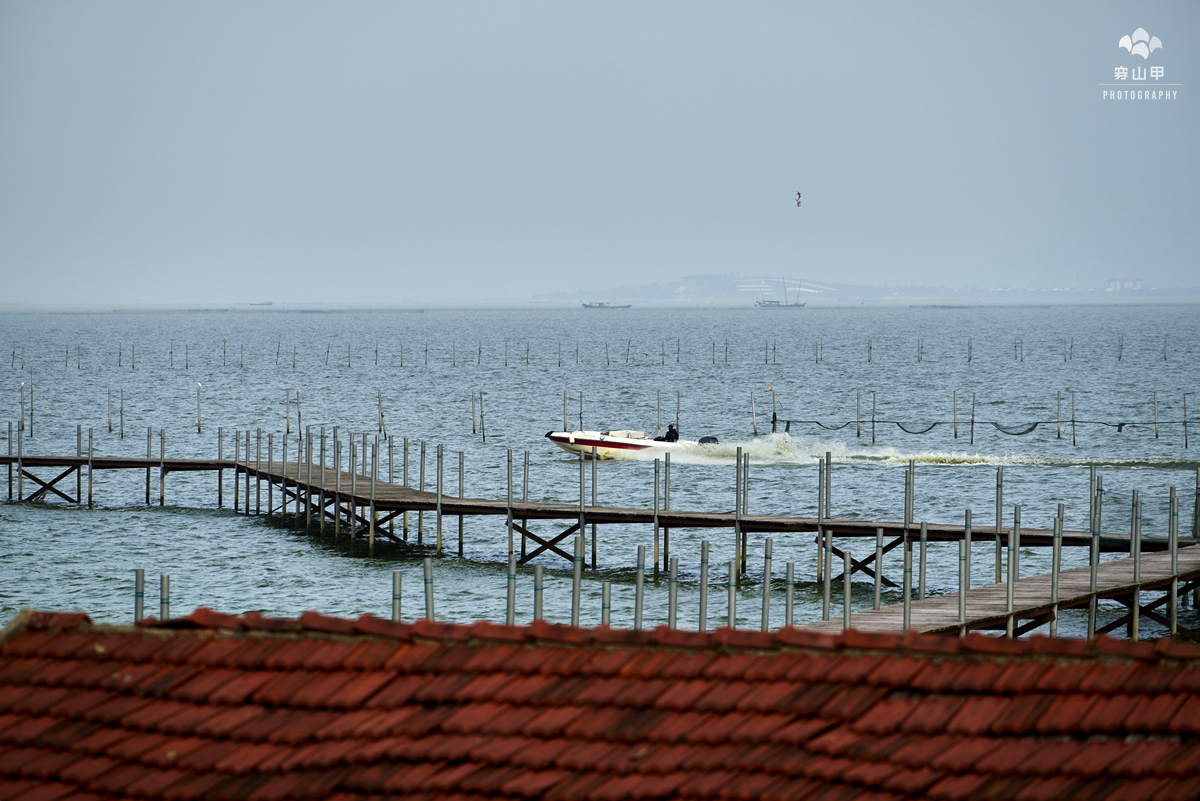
[
  {"x": 331, "y": 499},
  {"x": 1033, "y": 603},
  {"x": 352, "y": 497}
]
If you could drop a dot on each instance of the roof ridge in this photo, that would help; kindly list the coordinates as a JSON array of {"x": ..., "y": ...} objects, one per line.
[{"x": 974, "y": 645}]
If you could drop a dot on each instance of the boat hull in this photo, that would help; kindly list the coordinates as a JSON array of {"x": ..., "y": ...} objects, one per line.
[{"x": 608, "y": 446}]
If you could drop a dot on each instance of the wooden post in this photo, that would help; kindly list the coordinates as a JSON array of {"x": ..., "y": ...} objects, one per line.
[
  {"x": 220, "y": 472},
  {"x": 956, "y": 414},
  {"x": 525, "y": 495},
  {"x": 89, "y": 468},
  {"x": 605, "y": 602},
  {"x": 906, "y": 590},
  {"x": 963, "y": 548},
  {"x": 21, "y": 468},
  {"x": 428, "y": 589},
  {"x": 10, "y": 450},
  {"x": 237, "y": 453},
  {"x": 577, "y": 576},
  {"x": 351, "y": 503},
  {"x": 1156, "y": 415},
  {"x": 753, "y": 414},
  {"x": 1058, "y": 417},
  {"x": 872, "y": 417},
  {"x": 702, "y": 626}
]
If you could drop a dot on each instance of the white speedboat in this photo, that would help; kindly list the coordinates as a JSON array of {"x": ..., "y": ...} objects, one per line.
[{"x": 615, "y": 444}]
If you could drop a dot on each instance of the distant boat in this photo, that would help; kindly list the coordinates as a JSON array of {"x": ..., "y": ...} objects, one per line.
[
  {"x": 605, "y": 306},
  {"x": 264, "y": 303},
  {"x": 763, "y": 303}
]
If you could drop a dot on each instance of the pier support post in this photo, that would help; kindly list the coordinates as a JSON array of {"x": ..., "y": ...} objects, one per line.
[
  {"x": 639, "y": 585},
  {"x": 672, "y": 592},
  {"x": 396, "y": 596},
  {"x": 702, "y": 626},
  {"x": 789, "y": 595},
  {"x": 139, "y": 594},
  {"x": 766, "y": 598},
  {"x": 538, "y": 591}
]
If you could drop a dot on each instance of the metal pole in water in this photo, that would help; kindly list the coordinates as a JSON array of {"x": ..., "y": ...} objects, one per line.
[
  {"x": 271, "y": 472},
  {"x": 789, "y": 594},
  {"x": 139, "y": 594},
  {"x": 732, "y": 588},
  {"x": 1094, "y": 558},
  {"x": 638, "y": 587},
  {"x": 1013, "y": 573},
  {"x": 907, "y": 588},
  {"x": 878, "y": 566},
  {"x": 703, "y": 624},
  {"x": 999, "y": 516},
  {"x": 924, "y": 560},
  {"x": 1055, "y": 568},
  {"x": 89, "y": 468},
  {"x": 164, "y": 597},
  {"x": 509, "y": 517},
  {"x": 461, "y": 458},
  {"x": 594, "y": 483},
  {"x": 846, "y": 589},
  {"x": 827, "y": 578},
  {"x": 1136, "y": 543},
  {"x": 374, "y": 481},
  {"x": 439, "y": 501},
  {"x": 656, "y": 467},
  {"x": 745, "y": 507},
  {"x": 605, "y": 603},
  {"x": 672, "y": 592},
  {"x": 538, "y": 592},
  {"x": 395, "y": 596},
  {"x": 766, "y": 599},
  {"x": 576, "y": 579},
  {"x": 1173, "y": 538},
  {"x": 737, "y": 502},
  {"x": 963, "y": 548},
  {"x": 510, "y": 614},
  {"x": 429, "y": 589}
]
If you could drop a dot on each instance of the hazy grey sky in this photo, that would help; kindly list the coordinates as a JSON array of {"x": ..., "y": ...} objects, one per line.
[{"x": 356, "y": 152}]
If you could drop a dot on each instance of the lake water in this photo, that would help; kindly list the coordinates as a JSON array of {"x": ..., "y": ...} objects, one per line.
[{"x": 426, "y": 366}]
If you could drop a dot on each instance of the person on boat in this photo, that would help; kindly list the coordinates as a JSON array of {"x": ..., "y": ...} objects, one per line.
[{"x": 672, "y": 435}]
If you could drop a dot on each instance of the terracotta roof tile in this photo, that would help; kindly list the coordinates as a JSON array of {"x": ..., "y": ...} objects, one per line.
[
  {"x": 977, "y": 714},
  {"x": 1064, "y": 713},
  {"x": 562, "y": 712},
  {"x": 936, "y": 713},
  {"x": 896, "y": 671},
  {"x": 689, "y": 666},
  {"x": 1108, "y": 713},
  {"x": 887, "y": 715}
]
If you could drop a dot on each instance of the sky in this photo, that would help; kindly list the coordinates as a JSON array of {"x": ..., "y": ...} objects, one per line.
[{"x": 404, "y": 152}]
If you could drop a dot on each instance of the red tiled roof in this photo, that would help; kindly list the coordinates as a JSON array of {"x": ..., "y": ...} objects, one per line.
[{"x": 214, "y": 707}]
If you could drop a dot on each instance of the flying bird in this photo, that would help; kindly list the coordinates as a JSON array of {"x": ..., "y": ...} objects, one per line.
[{"x": 797, "y": 198}]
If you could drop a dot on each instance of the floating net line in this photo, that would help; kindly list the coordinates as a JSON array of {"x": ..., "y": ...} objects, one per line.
[{"x": 1015, "y": 430}]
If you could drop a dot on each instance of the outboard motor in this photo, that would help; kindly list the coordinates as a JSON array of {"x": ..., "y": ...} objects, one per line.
[{"x": 708, "y": 440}]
